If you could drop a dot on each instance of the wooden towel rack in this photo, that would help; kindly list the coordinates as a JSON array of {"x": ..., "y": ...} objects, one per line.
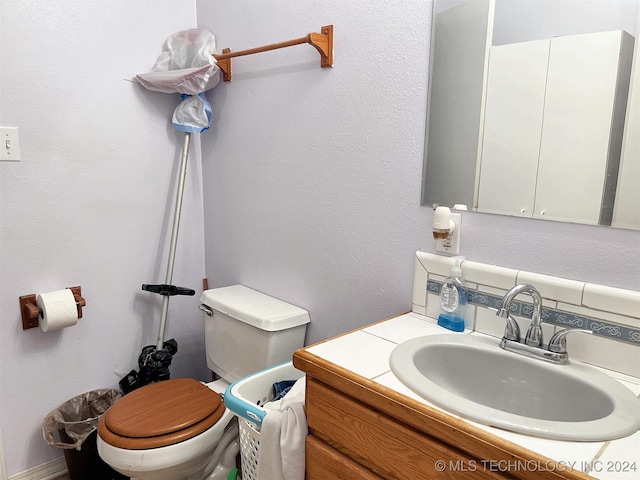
[{"x": 323, "y": 42}]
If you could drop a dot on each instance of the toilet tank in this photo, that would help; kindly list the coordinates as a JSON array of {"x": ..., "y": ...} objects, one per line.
[{"x": 246, "y": 331}]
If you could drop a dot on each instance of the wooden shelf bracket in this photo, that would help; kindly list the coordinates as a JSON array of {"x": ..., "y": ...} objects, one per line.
[{"x": 323, "y": 42}]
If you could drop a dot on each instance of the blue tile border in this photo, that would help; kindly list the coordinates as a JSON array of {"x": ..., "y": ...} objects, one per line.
[{"x": 552, "y": 316}]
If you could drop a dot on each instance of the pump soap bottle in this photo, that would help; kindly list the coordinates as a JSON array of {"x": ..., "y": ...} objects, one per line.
[{"x": 453, "y": 299}]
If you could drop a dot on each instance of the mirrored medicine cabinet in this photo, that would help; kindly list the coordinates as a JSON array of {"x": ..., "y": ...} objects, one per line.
[{"x": 534, "y": 109}]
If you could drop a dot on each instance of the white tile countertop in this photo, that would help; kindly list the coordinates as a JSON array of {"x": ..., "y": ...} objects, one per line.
[{"x": 366, "y": 352}]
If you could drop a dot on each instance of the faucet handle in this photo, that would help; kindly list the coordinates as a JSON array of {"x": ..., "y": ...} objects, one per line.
[
  {"x": 558, "y": 343},
  {"x": 512, "y": 330},
  {"x": 534, "y": 335}
]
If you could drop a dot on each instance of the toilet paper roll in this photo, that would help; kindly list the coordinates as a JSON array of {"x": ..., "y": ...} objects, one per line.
[{"x": 58, "y": 310}]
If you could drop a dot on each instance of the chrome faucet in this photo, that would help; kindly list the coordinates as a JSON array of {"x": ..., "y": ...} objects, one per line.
[
  {"x": 534, "y": 332},
  {"x": 533, "y": 346}
]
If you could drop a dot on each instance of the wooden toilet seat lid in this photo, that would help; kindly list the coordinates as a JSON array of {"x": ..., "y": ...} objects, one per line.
[{"x": 161, "y": 414}]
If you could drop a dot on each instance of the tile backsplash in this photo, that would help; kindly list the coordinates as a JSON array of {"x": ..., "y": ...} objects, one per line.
[{"x": 612, "y": 314}]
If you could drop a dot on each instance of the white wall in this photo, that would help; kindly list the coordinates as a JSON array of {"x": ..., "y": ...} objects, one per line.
[
  {"x": 90, "y": 204},
  {"x": 312, "y": 185},
  {"x": 523, "y": 20},
  {"x": 312, "y": 176}
]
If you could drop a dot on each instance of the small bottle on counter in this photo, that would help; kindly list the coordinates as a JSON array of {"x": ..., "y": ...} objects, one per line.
[{"x": 453, "y": 299}]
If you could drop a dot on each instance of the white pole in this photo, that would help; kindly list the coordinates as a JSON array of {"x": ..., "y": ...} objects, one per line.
[{"x": 174, "y": 237}]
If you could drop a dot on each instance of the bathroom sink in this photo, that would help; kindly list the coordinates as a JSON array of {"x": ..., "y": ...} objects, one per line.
[{"x": 471, "y": 376}]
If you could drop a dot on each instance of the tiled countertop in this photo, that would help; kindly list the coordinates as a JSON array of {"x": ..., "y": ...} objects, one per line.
[{"x": 366, "y": 352}]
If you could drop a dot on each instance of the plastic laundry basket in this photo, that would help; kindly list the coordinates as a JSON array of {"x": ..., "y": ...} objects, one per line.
[{"x": 245, "y": 398}]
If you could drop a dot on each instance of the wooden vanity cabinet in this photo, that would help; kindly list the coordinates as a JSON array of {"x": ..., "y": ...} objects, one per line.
[
  {"x": 359, "y": 429},
  {"x": 326, "y": 463}
]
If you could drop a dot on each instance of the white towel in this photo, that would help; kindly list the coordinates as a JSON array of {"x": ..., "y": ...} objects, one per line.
[{"x": 282, "y": 437}]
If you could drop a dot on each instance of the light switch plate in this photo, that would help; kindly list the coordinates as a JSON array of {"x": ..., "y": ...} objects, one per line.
[{"x": 9, "y": 144}]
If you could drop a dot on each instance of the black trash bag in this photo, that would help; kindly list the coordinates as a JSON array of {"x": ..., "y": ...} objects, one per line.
[
  {"x": 154, "y": 366},
  {"x": 77, "y": 417}
]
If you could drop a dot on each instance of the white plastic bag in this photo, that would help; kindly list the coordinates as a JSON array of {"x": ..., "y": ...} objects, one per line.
[
  {"x": 193, "y": 114},
  {"x": 186, "y": 66},
  {"x": 77, "y": 418}
]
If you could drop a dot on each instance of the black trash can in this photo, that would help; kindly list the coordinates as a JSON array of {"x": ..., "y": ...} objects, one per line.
[{"x": 73, "y": 426}]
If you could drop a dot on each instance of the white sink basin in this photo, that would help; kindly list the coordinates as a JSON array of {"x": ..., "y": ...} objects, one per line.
[{"x": 473, "y": 377}]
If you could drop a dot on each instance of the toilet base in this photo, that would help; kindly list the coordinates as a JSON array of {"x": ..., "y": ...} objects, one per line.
[{"x": 195, "y": 459}]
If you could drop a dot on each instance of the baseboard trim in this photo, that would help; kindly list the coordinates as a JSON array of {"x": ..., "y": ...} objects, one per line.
[{"x": 44, "y": 471}]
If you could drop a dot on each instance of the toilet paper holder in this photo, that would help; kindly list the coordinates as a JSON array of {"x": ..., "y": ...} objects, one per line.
[{"x": 30, "y": 311}]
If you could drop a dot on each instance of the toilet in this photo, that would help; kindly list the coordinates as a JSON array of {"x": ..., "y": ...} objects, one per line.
[{"x": 179, "y": 429}]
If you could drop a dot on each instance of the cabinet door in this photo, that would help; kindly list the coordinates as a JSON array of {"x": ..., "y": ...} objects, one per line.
[
  {"x": 581, "y": 90},
  {"x": 326, "y": 463},
  {"x": 512, "y": 127},
  {"x": 379, "y": 443}
]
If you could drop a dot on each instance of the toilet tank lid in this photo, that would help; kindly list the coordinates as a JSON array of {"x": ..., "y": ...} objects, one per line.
[{"x": 255, "y": 308}]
